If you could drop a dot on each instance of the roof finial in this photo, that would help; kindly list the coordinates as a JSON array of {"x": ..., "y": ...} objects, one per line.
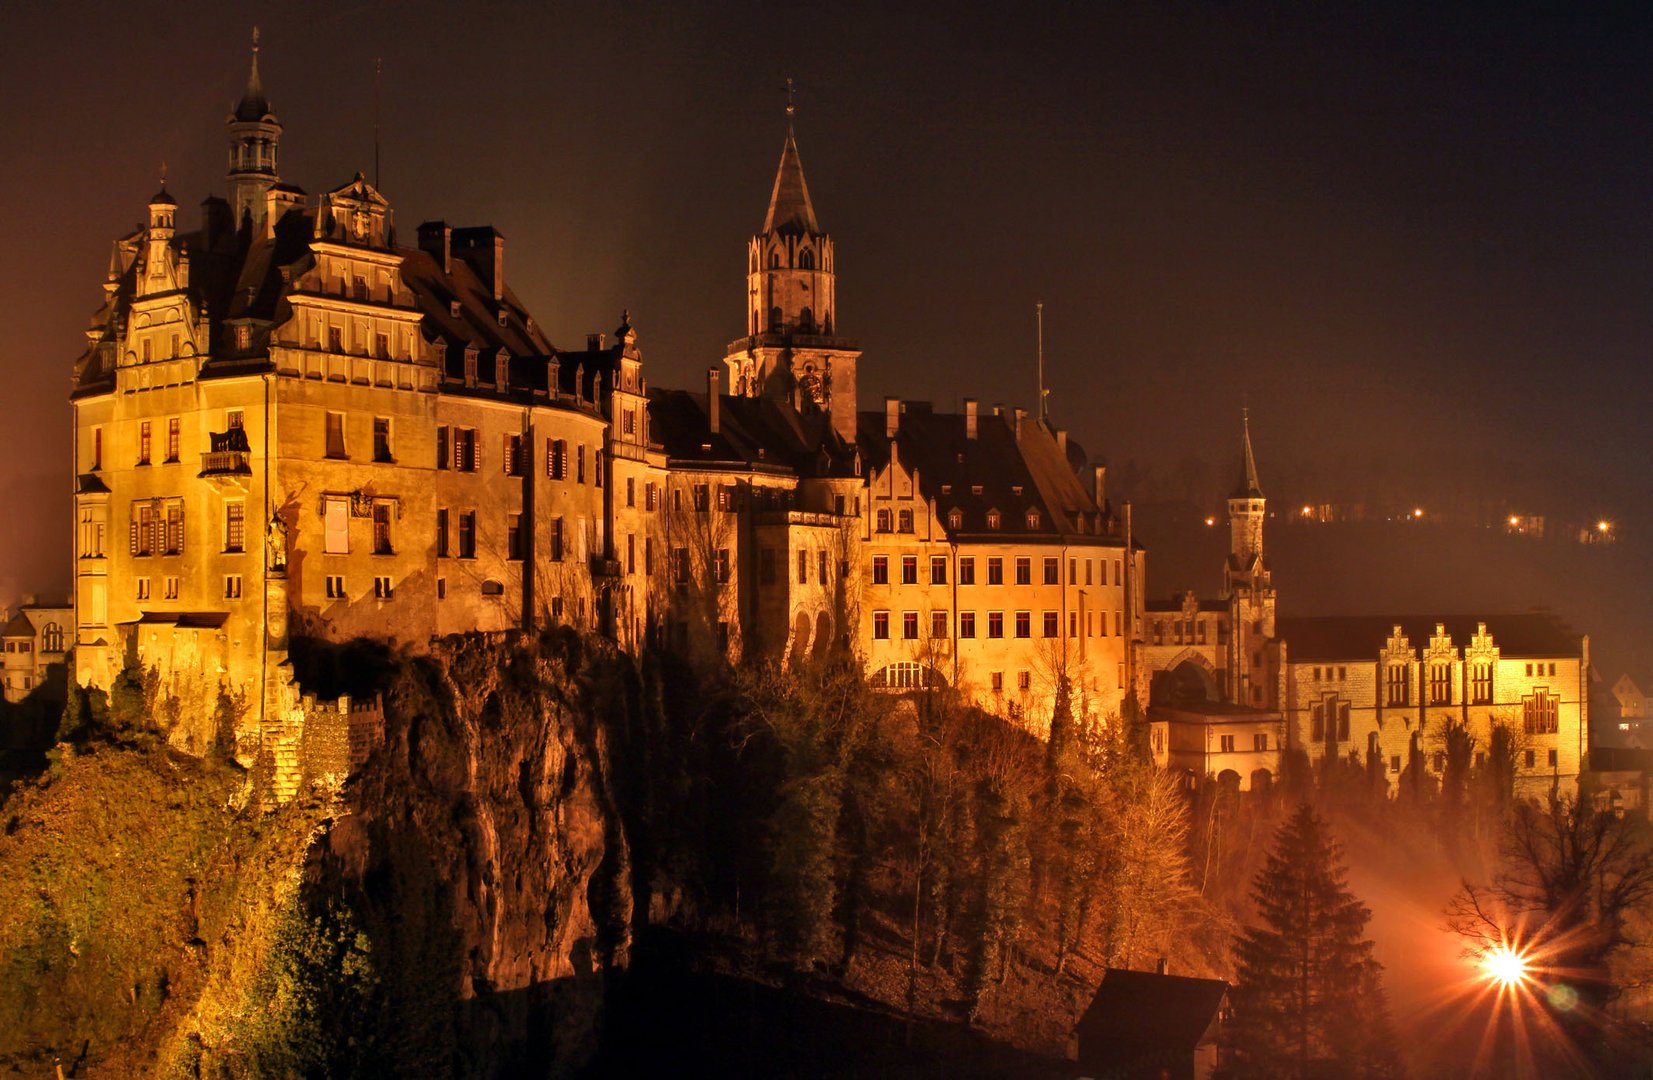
[
  {"x": 163, "y": 174},
  {"x": 791, "y": 105}
]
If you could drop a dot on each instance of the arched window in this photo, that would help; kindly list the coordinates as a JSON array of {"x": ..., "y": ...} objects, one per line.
[
  {"x": 1033, "y": 519},
  {"x": 774, "y": 260},
  {"x": 806, "y": 319},
  {"x": 806, "y": 261},
  {"x": 993, "y": 519},
  {"x": 774, "y": 318},
  {"x": 52, "y": 638},
  {"x": 955, "y": 519}
]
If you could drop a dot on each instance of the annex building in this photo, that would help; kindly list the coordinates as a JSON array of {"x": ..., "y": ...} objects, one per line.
[{"x": 293, "y": 417}]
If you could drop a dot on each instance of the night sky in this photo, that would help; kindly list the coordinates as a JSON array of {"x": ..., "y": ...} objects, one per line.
[{"x": 1415, "y": 242}]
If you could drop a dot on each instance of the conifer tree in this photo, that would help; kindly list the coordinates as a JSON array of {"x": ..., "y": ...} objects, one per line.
[{"x": 1308, "y": 1001}]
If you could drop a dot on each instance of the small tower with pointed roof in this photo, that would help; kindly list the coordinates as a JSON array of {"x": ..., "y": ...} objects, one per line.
[
  {"x": 255, "y": 138},
  {"x": 1249, "y": 587},
  {"x": 792, "y": 350}
]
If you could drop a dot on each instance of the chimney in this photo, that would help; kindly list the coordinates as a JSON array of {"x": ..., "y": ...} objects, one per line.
[
  {"x": 484, "y": 249},
  {"x": 713, "y": 402},
  {"x": 1016, "y": 423},
  {"x": 969, "y": 418},
  {"x": 593, "y": 342},
  {"x": 1062, "y": 441},
  {"x": 1162, "y": 965},
  {"x": 436, "y": 240},
  {"x": 892, "y": 417},
  {"x": 1099, "y": 485}
]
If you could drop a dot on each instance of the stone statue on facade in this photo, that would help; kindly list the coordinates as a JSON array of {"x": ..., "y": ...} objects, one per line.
[{"x": 276, "y": 540}]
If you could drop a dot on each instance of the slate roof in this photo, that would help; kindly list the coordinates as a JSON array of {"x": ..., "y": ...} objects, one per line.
[
  {"x": 18, "y": 626},
  {"x": 1362, "y": 637},
  {"x": 1139, "y": 1013},
  {"x": 790, "y": 210},
  {"x": 998, "y": 461},
  {"x": 760, "y": 433}
]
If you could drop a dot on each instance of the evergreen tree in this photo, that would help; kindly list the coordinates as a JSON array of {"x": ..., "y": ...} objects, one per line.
[{"x": 1308, "y": 1002}]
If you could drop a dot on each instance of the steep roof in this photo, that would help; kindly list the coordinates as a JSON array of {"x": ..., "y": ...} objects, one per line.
[
  {"x": 18, "y": 626},
  {"x": 1140, "y": 1014},
  {"x": 1362, "y": 637},
  {"x": 253, "y": 106},
  {"x": 1014, "y": 472},
  {"x": 790, "y": 210},
  {"x": 759, "y": 433},
  {"x": 1248, "y": 487}
]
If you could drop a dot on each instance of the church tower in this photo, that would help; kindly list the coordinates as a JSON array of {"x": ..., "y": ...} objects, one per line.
[
  {"x": 792, "y": 351},
  {"x": 1249, "y": 588},
  {"x": 255, "y": 137}
]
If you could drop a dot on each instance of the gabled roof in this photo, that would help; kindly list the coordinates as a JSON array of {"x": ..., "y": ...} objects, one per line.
[
  {"x": 1362, "y": 637},
  {"x": 1015, "y": 472},
  {"x": 17, "y": 626},
  {"x": 1138, "y": 1011},
  {"x": 790, "y": 210}
]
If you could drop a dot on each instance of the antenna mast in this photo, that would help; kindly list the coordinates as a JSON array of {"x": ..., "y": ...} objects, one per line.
[
  {"x": 376, "y": 65},
  {"x": 1039, "y": 314}
]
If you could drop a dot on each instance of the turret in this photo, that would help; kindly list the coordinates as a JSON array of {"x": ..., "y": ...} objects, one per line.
[
  {"x": 255, "y": 138},
  {"x": 1245, "y": 510}
]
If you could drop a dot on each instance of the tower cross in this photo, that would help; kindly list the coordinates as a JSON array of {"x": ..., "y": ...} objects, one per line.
[{"x": 791, "y": 105}]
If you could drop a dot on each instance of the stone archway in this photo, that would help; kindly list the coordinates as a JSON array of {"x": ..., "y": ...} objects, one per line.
[{"x": 1189, "y": 678}]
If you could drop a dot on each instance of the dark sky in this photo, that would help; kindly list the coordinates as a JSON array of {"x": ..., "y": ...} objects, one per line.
[{"x": 1416, "y": 241}]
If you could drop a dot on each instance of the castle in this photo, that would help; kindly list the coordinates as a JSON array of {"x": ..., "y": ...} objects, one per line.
[{"x": 303, "y": 425}]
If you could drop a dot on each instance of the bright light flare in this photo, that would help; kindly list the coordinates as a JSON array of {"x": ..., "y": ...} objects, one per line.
[
  {"x": 1505, "y": 966},
  {"x": 1604, "y": 526},
  {"x": 1418, "y": 512}
]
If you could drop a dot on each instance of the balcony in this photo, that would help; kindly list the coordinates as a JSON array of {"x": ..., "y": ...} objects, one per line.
[
  {"x": 605, "y": 568},
  {"x": 225, "y": 462}
]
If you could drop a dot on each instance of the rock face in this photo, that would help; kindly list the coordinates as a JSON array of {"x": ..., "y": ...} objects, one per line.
[{"x": 484, "y": 857}]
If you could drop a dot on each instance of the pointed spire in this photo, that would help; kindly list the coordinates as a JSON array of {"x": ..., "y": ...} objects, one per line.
[
  {"x": 253, "y": 106},
  {"x": 1248, "y": 488},
  {"x": 790, "y": 210}
]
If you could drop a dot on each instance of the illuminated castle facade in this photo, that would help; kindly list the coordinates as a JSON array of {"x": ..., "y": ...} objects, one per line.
[{"x": 287, "y": 421}]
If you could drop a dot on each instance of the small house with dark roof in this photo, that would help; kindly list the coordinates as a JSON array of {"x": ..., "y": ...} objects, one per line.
[{"x": 1144, "y": 1025}]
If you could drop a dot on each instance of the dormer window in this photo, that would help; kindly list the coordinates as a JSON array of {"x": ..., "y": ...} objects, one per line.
[
  {"x": 1033, "y": 519},
  {"x": 975, "y": 489},
  {"x": 503, "y": 316},
  {"x": 243, "y": 337},
  {"x": 994, "y": 519},
  {"x": 955, "y": 519},
  {"x": 453, "y": 309},
  {"x": 947, "y": 489},
  {"x": 470, "y": 367},
  {"x": 1015, "y": 489}
]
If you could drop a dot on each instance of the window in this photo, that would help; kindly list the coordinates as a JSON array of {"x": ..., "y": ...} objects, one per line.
[
  {"x": 955, "y": 519},
  {"x": 381, "y": 529},
  {"x": 1117, "y": 575},
  {"x": 904, "y": 521},
  {"x": 648, "y": 556},
  {"x": 442, "y": 444},
  {"x": 1480, "y": 683},
  {"x": 556, "y": 459},
  {"x": 702, "y": 497},
  {"x": 235, "y": 526},
  {"x": 1440, "y": 684},
  {"x": 1531, "y": 758},
  {"x": 1053, "y": 571},
  {"x": 382, "y": 588},
  {"x": 52, "y": 635},
  {"x": 967, "y": 569},
  {"x": 1024, "y": 624},
  {"x": 631, "y": 491},
  {"x": 1033, "y": 520},
  {"x": 381, "y": 439},
  {"x": 97, "y": 449},
  {"x": 1024, "y": 570},
  {"x": 464, "y": 449},
  {"x": 335, "y": 435},
  {"x": 881, "y": 625},
  {"x": 335, "y": 586},
  {"x": 335, "y": 339},
  {"x": 938, "y": 624},
  {"x": 993, "y": 519},
  {"x": 143, "y": 528},
  {"x": 597, "y": 467},
  {"x": 1259, "y": 741},
  {"x": 1073, "y": 624},
  {"x": 510, "y": 445},
  {"x": 631, "y": 553},
  {"x": 143, "y": 452},
  {"x": 995, "y": 570},
  {"x": 803, "y": 568},
  {"x": 442, "y": 591},
  {"x": 1539, "y": 713},
  {"x": 140, "y": 592},
  {"x": 1073, "y": 571},
  {"x": 967, "y": 624},
  {"x": 880, "y": 569},
  {"x": 1317, "y": 723},
  {"x": 680, "y": 565},
  {"x": 1396, "y": 682},
  {"x": 909, "y": 625},
  {"x": 938, "y": 570},
  {"x": 821, "y": 564},
  {"x": 1227, "y": 743},
  {"x": 442, "y": 533},
  {"x": 1342, "y": 721},
  {"x": 1554, "y": 757},
  {"x": 883, "y": 521},
  {"x": 467, "y": 534},
  {"x": 909, "y": 569},
  {"x": 1024, "y": 680},
  {"x": 997, "y": 681},
  {"x": 628, "y": 424},
  {"x": 722, "y": 565},
  {"x": 174, "y": 438},
  {"x": 995, "y": 624},
  {"x": 171, "y": 539},
  {"x": 232, "y": 586},
  {"x": 513, "y": 537},
  {"x": 1053, "y": 624},
  {"x": 579, "y": 464},
  {"x": 335, "y": 526}
]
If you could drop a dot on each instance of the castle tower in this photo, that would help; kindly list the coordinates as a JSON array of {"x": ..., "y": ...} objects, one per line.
[
  {"x": 791, "y": 350},
  {"x": 255, "y": 137},
  {"x": 163, "y": 213},
  {"x": 1249, "y": 588}
]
